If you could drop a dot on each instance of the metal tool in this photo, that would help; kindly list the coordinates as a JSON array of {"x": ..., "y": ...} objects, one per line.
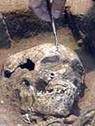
[{"x": 49, "y": 4}]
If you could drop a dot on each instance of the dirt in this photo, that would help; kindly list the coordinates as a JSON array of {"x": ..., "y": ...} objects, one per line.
[{"x": 9, "y": 113}]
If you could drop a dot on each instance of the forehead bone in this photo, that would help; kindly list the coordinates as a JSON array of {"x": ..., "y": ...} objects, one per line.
[{"x": 40, "y": 53}]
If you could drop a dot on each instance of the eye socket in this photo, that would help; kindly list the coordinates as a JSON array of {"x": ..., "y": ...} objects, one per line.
[
  {"x": 52, "y": 59},
  {"x": 28, "y": 65}
]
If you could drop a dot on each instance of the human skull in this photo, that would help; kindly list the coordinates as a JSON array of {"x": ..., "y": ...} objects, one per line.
[{"x": 56, "y": 74}]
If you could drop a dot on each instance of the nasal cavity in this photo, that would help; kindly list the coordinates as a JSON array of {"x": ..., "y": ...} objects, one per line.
[
  {"x": 41, "y": 85},
  {"x": 28, "y": 65}
]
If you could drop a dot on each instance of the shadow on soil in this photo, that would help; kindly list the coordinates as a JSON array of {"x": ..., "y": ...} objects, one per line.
[
  {"x": 24, "y": 25},
  {"x": 87, "y": 59}
]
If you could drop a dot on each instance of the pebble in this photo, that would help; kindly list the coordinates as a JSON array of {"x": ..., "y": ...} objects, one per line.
[
  {"x": 19, "y": 124},
  {"x": 2, "y": 102}
]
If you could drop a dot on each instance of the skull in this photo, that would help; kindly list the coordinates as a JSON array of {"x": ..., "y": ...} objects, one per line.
[{"x": 56, "y": 76}]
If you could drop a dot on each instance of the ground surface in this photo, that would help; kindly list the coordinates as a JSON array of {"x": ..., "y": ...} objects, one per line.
[{"x": 9, "y": 114}]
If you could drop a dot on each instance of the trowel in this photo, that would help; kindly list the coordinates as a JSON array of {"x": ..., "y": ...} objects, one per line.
[{"x": 49, "y": 6}]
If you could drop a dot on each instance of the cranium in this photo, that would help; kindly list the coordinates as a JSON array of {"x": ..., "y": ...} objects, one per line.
[{"x": 56, "y": 75}]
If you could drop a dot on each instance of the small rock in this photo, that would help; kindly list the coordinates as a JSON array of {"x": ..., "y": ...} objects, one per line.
[
  {"x": 19, "y": 124},
  {"x": 2, "y": 102}
]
